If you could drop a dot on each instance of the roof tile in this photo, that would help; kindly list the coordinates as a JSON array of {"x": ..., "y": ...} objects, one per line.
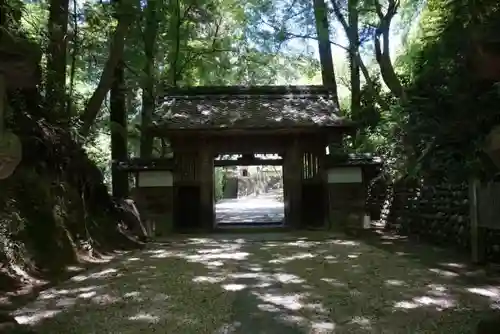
[{"x": 249, "y": 111}]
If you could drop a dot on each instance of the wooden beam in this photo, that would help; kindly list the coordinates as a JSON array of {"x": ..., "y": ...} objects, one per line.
[
  {"x": 251, "y": 162},
  {"x": 249, "y": 142},
  {"x": 330, "y": 133},
  {"x": 315, "y": 90},
  {"x": 138, "y": 164}
]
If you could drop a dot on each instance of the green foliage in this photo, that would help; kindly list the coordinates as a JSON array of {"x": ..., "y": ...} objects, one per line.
[
  {"x": 450, "y": 110},
  {"x": 219, "y": 42},
  {"x": 439, "y": 130},
  {"x": 98, "y": 152}
]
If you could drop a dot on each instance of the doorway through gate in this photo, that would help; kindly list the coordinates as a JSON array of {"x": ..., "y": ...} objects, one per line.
[{"x": 248, "y": 191}]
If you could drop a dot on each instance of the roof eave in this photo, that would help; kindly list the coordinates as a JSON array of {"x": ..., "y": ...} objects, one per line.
[{"x": 164, "y": 130}]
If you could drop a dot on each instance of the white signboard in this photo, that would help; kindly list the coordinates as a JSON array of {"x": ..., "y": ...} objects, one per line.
[
  {"x": 345, "y": 175},
  {"x": 155, "y": 179}
]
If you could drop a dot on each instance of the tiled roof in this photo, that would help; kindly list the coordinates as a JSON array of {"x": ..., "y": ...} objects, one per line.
[{"x": 242, "y": 110}]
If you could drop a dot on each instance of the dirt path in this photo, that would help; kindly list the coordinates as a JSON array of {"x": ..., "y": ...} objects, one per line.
[
  {"x": 266, "y": 207},
  {"x": 270, "y": 283}
]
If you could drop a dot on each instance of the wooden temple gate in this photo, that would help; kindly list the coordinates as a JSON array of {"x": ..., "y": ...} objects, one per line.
[
  {"x": 193, "y": 174},
  {"x": 298, "y": 123}
]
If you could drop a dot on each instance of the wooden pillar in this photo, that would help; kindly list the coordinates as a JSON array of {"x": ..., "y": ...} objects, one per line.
[
  {"x": 323, "y": 180},
  {"x": 206, "y": 180},
  {"x": 292, "y": 177},
  {"x": 474, "y": 220}
]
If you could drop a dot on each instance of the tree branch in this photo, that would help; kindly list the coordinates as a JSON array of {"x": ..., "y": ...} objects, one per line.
[
  {"x": 134, "y": 72},
  {"x": 212, "y": 50},
  {"x": 186, "y": 12},
  {"x": 355, "y": 53},
  {"x": 292, "y": 35},
  {"x": 378, "y": 9}
]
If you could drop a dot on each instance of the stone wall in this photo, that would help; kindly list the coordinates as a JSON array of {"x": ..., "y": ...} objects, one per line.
[
  {"x": 437, "y": 212},
  {"x": 346, "y": 205}
]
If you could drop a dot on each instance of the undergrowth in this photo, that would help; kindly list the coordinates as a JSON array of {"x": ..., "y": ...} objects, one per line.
[{"x": 55, "y": 206}]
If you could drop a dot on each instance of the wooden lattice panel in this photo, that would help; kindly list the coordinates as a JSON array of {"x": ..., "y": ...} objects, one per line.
[{"x": 186, "y": 168}]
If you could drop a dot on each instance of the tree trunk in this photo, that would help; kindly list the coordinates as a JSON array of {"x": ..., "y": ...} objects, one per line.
[
  {"x": 4, "y": 14},
  {"x": 74, "y": 54},
  {"x": 174, "y": 34},
  {"x": 148, "y": 99},
  {"x": 325, "y": 49},
  {"x": 382, "y": 53},
  {"x": 354, "y": 52},
  {"x": 115, "y": 55},
  {"x": 384, "y": 61},
  {"x": 56, "y": 59},
  {"x": 118, "y": 121},
  {"x": 353, "y": 18}
]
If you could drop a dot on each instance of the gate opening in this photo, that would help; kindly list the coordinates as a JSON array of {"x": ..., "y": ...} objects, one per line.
[{"x": 248, "y": 191}]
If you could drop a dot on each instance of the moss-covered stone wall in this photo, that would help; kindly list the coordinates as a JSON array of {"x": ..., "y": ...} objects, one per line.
[{"x": 436, "y": 212}]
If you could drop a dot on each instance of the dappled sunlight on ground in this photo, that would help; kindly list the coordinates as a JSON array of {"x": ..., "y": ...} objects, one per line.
[{"x": 272, "y": 283}]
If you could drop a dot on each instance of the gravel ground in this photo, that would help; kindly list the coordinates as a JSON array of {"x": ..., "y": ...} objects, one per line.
[{"x": 271, "y": 283}]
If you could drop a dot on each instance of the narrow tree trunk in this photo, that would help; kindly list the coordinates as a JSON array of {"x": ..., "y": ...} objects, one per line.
[
  {"x": 148, "y": 99},
  {"x": 3, "y": 13},
  {"x": 115, "y": 55},
  {"x": 353, "y": 18},
  {"x": 74, "y": 54},
  {"x": 325, "y": 49},
  {"x": 382, "y": 53},
  {"x": 118, "y": 120},
  {"x": 354, "y": 53},
  {"x": 174, "y": 34},
  {"x": 56, "y": 58},
  {"x": 384, "y": 61}
]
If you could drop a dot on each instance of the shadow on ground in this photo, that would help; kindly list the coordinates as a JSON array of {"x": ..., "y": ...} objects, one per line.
[{"x": 271, "y": 283}]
